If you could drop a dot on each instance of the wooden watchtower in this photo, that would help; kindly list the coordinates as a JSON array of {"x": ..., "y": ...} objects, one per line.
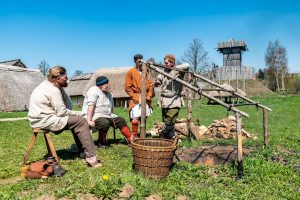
[{"x": 232, "y": 60}]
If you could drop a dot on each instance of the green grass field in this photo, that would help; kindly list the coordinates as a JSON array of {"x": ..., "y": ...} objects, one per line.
[{"x": 269, "y": 173}]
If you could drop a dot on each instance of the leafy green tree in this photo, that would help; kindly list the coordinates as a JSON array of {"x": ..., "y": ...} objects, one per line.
[
  {"x": 261, "y": 74},
  {"x": 294, "y": 85},
  {"x": 276, "y": 62}
]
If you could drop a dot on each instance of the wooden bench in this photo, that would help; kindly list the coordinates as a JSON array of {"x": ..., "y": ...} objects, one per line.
[{"x": 49, "y": 144}]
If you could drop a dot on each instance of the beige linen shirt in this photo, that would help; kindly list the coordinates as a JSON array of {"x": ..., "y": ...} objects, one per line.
[{"x": 49, "y": 107}]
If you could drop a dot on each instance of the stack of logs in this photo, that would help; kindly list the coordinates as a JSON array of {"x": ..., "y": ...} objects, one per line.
[{"x": 224, "y": 128}]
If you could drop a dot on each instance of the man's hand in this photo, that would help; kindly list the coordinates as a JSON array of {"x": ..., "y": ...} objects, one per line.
[
  {"x": 148, "y": 98},
  {"x": 157, "y": 83},
  {"x": 91, "y": 123}
]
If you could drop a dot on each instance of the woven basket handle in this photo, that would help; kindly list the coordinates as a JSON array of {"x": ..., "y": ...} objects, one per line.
[{"x": 176, "y": 141}]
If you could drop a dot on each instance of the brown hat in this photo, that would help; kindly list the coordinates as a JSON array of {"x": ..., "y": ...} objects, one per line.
[{"x": 170, "y": 57}]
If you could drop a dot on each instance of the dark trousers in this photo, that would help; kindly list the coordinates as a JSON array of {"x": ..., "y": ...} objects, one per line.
[
  {"x": 103, "y": 124},
  {"x": 169, "y": 115},
  {"x": 81, "y": 133}
]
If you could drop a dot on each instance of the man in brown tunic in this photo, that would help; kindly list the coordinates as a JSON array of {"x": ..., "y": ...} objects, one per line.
[{"x": 133, "y": 85}]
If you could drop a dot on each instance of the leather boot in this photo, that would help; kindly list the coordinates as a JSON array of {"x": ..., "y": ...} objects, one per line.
[
  {"x": 102, "y": 142},
  {"x": 168, "y": 132},
  {"x": 127, "y": 134}
]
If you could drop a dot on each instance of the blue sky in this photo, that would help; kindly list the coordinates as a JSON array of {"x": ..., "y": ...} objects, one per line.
[{"x": 88, "y": 35}]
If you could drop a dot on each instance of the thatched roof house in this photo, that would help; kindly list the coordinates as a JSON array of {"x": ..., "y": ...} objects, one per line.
[
  {"x": 225, "y": 93},
  {"x": 227, "y": 96},
  {"x": 17, "y": 84},
  {"x": 76, "y": 86},
  {"x": 116, "y": 78},
  {"x": 16, "y": 63}
]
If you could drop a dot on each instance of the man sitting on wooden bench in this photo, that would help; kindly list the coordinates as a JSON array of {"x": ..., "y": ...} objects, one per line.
[
  {"x": 50, "y": 108},
  {"x": 98, "y": 106}
]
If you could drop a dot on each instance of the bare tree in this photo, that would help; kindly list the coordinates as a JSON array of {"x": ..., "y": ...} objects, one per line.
[
  {"x": 276, "y": 62},
  {"x": 44, "y": 67},
  {"x": 198, "y": 60},
  {"x": 151, "y": 59},
  {"x": 77, "y": 73},
  {"x": 196, "y": 56}
]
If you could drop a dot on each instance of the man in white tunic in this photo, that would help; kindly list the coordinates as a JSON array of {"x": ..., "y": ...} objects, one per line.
[
  {"x": 50, "y": 108},
  {"x": 98, "y": 109}
]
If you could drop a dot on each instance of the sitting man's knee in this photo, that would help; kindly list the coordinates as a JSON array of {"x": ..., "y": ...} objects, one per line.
[
  {"x": 102, "y": 124},
  {"x": 120, "y": 122}
]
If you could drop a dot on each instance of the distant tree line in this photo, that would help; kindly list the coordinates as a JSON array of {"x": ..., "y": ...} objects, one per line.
[
  {"x": 44, "y": 67},
  {"x": 275, "y": 75}
]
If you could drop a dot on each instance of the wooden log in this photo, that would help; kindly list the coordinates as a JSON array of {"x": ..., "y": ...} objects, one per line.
[
  {"x": 202, "y": 130},
  {"x": 143, "y": 101},
  {"x": 234, "y": 92},
  {"x": 239, "y": 145},
  {"x": 185, "y": 121},
  {"x": 189, "y": 116},
  {"x": 179, "y": 130},
  {"x": 198, "y": 90},
  {"x": 265, "y": 126},
  {"x": 195, "y": 131},
  {"x": 231, "y": 91}
]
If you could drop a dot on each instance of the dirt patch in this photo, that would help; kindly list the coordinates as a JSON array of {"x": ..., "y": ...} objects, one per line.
[
  {"x": 46, "y": 197},
  {"x": 87, "y": 197},
  {"x": 126, "y": 191},
  {"x": 154, "y": 197},
  {"x": 12, "y": 180},
  {"x": 181, "y": 198},
  {"x": 209, "y": 155},
  {"x": 284, "y": 156}
]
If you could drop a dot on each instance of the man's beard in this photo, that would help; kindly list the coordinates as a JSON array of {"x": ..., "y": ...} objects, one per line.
[
  {"x": 140, "y": 66},
  {"x": 65, "y": 84},
  {"x": 107, "y": 90}
]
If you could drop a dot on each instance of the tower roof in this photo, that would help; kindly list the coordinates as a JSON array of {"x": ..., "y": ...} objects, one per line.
[{"x": 232, "y": 44}]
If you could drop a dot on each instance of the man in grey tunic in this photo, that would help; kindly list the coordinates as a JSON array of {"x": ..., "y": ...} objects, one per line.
[
  {"x": 50, "y": 108},
  {"x": 170, "y": 100}
]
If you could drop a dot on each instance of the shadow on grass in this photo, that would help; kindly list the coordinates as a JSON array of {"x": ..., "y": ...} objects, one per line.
[{"x": 65, "y": 154}]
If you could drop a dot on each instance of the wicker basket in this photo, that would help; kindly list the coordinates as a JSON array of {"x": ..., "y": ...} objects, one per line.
[{"x": 153, "y": 157}]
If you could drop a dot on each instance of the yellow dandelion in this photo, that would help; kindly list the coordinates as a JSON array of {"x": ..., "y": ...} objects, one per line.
[{"x": 105, "y": 177}]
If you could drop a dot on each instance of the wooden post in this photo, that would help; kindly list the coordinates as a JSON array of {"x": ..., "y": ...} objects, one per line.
[
  {"x": 189, "y": 116},
  {"x": 143, "y": 101},
  {"x": 265, "y": 126},
  {"x": 239, "y": 145},
  {"x": 237, "y": 81}
]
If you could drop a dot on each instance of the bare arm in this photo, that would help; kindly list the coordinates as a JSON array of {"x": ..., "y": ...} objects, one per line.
[{"x": 90, "y": 114}]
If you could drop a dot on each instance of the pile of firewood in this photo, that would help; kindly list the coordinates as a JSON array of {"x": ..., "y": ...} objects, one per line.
[{"x": 224, "y": 128}]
